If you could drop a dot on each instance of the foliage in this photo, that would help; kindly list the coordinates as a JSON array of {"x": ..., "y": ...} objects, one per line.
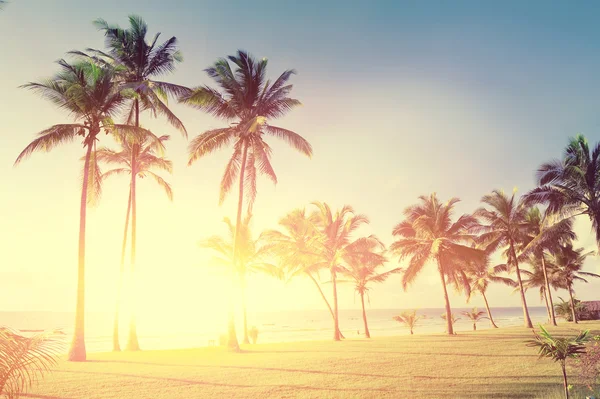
[
  {"x": 474, "y": 315},
  {"x": 23, "y": 360},
  {"x": 588, "y": 365},
  {"x": 563, "y": 309},
  {"x": 253, "y": 333},
  {"x": 409, "y": 318}
]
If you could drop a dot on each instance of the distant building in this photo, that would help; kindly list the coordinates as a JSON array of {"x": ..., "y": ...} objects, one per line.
[{"x": 592, "y": 308}]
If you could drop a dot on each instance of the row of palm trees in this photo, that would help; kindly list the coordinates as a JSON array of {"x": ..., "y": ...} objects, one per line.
[{"x": 121, "y": 83}]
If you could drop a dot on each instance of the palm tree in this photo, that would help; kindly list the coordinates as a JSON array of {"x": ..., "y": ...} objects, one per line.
[
  {"x": 571, "y": 186},
  {"x": 408, "y": 317},
  {"x": 336, "y": 245},
  {"x": 451, "y": 321},
  {"x": 505, "y": 227},
  {"x": 559, "y": 349},
  {"x": 248, "y": 102},
  {"x": 251, "y": 257},
  {"x": 141, "y": 61},
  {"x": 545, "y": 234},
  {"x": 569, "y": 264},
  {"x": 363, "y": 259},
  {"x": 296, "y": 249},
  {"x": 565, "y": 310},
  {"x": 24, "y": 359},
  {"x": 536, "y": 278},
  {"x": 475, "y": 316},
  {"x": 88, "y": 91},
  {"x": 148, "y": 157},
  {"x": 428, "y": 234},
  {"x": 481, "y": 275}
]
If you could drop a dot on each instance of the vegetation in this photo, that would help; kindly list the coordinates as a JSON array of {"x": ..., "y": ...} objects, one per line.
[
  {"x": 409, "y": 318},
  {"x": 588, "y": 365},
  {"x": 559, "y": 349},
  {"x": 451, "y": 321},
  {"x": 248, "y": 101},
  {"x": 564, "y": 309},
  {"x": 24, "y": 359},
  {"x": 253, "y": 333},
  {"x": 474, "y": 316},
  {"x": 428, "y": 234}
]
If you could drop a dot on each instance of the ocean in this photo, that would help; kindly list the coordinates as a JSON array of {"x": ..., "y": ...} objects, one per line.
[{"x": 169, "y": 332}]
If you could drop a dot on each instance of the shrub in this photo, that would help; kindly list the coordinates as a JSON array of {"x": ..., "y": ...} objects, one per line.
[{"x": 253, "y": 333}]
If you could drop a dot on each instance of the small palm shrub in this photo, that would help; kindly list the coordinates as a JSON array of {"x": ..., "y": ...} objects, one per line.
[
  {"x": 563, "y": 310},
  {"x": 253, "y": 334},
  {"x": 23, "y": 360},
  {"x": 409, "y": 318}
]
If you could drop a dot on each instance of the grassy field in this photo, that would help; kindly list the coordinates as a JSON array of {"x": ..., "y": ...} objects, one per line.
[{"x": 482, "y": 364}]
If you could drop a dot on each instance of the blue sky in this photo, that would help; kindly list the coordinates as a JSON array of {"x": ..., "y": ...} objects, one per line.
[{"x": 400, "y": 99}]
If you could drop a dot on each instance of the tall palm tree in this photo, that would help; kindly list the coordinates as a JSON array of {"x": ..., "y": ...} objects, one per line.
[
  {"x": 543, "y": 234},
  {"x": 336, "y": 244},
  {"x": 252, "y": 254},
  {"x": 410, "y": 318},
  {"x": 428, "y": 234},
  {"x": 148, "y": 157},
  {"x": 248, "y": 101},
  {"x": 296, "y": 250},
  {"x": 363, "y": 260},
  {"x": 475, "y": 315},
  {"x": 571, "y": 186},
  {"x": 481, "y": 275},
  {"x": 88, "y": 91},
  {"x": 505, "y": 227},
  {"x": 141, "y": 61},
  {"x": 569, "y": 264},
  {"x": 450, "y": 320}
]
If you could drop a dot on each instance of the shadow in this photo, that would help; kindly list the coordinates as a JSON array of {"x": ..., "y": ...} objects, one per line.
[{"x": 31, "y": 395}]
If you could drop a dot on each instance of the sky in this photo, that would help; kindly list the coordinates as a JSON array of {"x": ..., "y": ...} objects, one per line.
[{"x": 401, "y": 99}]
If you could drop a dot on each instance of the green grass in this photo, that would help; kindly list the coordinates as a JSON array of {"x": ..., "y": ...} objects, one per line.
[{"x": 482, "y": 364}]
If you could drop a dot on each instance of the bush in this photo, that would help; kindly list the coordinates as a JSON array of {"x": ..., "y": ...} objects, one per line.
[
  {"x": 589, "y": 365},
  {"x": 253, "y": 333}
]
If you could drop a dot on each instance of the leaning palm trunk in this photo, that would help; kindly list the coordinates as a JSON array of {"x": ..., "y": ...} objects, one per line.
[
  {"x": 364, "y": 315},
  {"x": 336, "y": 324},
  {"x": 489, "y": 312},
  {"x": 77, "y": 351},
  {"x": 543, "y": 293},
  {"x": 548, "y": 292},
  {"x": 573, "y": 312},
  {"x": 132, "y": 342},
  {"x": 449, "y": 326},
  {"x": 324, "y": 299},
  {"x": 116, "y": 344},
  {"x": 528, "y": 323}
]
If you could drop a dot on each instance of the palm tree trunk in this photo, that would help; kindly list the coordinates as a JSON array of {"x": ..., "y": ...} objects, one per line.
[
  {"x": 246, "y": 340},
  {"x": 364, "y": 314},
  {"x": 449, "y": 325},
  {"x": 543, "y": 293},
  {"x": 548, "y": 292},
  {"x": 232, "y": 342},
  {"x": 324, "y": 298},
  {"x": 565, "y": 381},
  {"x": 336, "y": 324},
  {"x": 116, "y": 344},
  {"x": 132, "y": 342},
  {"x": 489, "y": 312},
  {"x": 526, "y": 317},
  {"x": 474, "y": 326},
  {"x": 572, "y": 304},
  {"x": 77, "y": 351}
]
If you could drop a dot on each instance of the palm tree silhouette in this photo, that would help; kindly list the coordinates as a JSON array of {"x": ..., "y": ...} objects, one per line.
[
  {"x": 475, "y": 315},
  {"x": 90, "y": 93},
  {"x": 505, "y": 227},
  {"x": 140, "y": 62},
  {"x": 149, "y": 157},
  {"x": 410, "y": 318},
  {"x": 249, "y": 102},
  {"x": 428, "y": 234}
]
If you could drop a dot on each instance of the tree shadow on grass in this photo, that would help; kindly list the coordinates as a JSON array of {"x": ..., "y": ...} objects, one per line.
[{"x": 36, "y": 396}]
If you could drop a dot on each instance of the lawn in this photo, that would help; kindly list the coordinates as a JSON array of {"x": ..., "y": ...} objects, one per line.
[{"x": 482, "y": 364}]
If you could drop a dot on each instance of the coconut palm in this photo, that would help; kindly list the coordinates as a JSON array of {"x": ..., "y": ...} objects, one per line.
[
  {"x": 475, "y": 316},
  {"x": 428, "y": 234},
  {"x": 559, "y": 349},
  {"x": 252, "y": 254},
  {"x": 363, "y": 260},
  {"x": 571, "y": 186},
  {"x": 409, "y": 318},
  {"x": 481, "y": 275},
  {"x": 296, "y": 250},
  {"x": 565, "y": 310},
  {"x": 451, "y": 321},
  {"x": 569, "y": 264},
  {"x": 88, "y": 91},
  {"x": 505, "y": 227},
  {"x": 336, "y": 245},
  {"x": 148, "y": 158},
  {"x": 544, "y": 233},
  {"x": 141, "y": 62},
  {"x": 24, "y": 359},
  {"x": 249, "y": 102}
]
